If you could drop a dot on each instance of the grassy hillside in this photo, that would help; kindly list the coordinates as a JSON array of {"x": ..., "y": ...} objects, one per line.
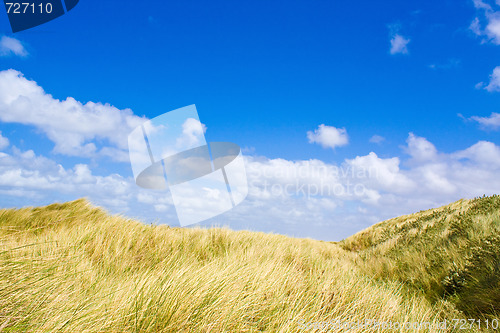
[
  {"x": 73, "y": 268},
  {"x": 448, "y": 253}
]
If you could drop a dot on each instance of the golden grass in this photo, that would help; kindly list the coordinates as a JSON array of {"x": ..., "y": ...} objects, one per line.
[{"x": 73, "y": 268}]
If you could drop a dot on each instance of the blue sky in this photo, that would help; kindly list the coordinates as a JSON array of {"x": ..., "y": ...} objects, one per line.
[{"x": 418, "y": 75}]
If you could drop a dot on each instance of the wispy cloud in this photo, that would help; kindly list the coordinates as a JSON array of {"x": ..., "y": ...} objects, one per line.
[
  {"x": 399, "y": 43},
  {"x": 377, "y": 139},
  {"x": 492, "y": 122},
  {"x": 4, "y": 142},
  {"x": 328, "y": 136},
  {"x": 10, "y": 46},
  {"x": 451, "y": 63},
  {"x": 494, "y": 84}
]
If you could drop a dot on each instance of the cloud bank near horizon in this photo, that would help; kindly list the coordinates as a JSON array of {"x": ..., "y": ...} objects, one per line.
[{"x": 284, "y": 196}]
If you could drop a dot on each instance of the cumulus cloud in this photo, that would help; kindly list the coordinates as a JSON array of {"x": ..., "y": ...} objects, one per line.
[
  {"x": 491, "y": 122},
  {"x": 294, "y": 197},
  {"x": 4, "y": 142},
  {"x": 328, "y": 136},
  {"x": 381, "y": 173},
  {"x": 74, "y": 127},
  {"x": 10, "y": 46},
  {"x": 420, "y": 149},
  {"x": 484, "y": 153},
  {"x": 40, "y": 176},
  {"x": 368, "y": 188},
  {"x": 487, "y": 22},
  {"x": 192, "y": 133},
  {"x": 307, "y": 198},
  {"x": 30, "y": 179}
]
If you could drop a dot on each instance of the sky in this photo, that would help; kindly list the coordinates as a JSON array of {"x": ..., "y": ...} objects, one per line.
[{"x": 347, "y": 113}]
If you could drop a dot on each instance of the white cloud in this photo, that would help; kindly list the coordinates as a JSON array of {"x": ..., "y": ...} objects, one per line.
[
  {"x": 306, "y": 197},
  {"x": 161, "y": 208},
  {"x": 487, "y": 23},
  {"x": 382, "y": 173},
  {"x": 377, "y": 139},
  {"x": 192, "y": 133},
  {"x": 4, "y": 142},
  {"x": 382, "y": 187},
  {"x": 74, "y": 127},
  {"x": 484, "y": 153},
  {"x": 11, "y": 46},
  {"x": 328, "y": 136},
  {"x": 295, "y": 197},
  {"x": 420, "y": 149},
  {"x": 475, "y": 27},
  {"x": 40, "y": 180},
  {"x": 494, "y": 84},
  {"x": 491, "y": 122},
  {"x": 493, "y": 27},
  {"x": 399, "y": 44},
  {"x": 40, "y": 173}
]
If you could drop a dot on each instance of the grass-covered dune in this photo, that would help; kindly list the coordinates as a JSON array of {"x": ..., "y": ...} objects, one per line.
[{"x": 73, "y": 268}]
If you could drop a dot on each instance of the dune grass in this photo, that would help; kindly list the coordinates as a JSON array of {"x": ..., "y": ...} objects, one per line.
[
  {"x": 73, "y": 268},
  {"x": 448, "y": 253}
]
